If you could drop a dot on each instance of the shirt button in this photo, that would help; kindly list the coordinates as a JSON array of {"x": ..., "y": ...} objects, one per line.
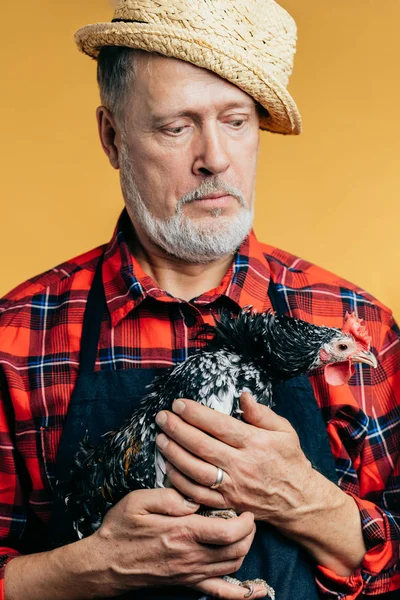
[{"x": 190, "y": 320}]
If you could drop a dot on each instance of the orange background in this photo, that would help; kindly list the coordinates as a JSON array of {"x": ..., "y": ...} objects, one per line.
[{"x": 329, "y": 196}]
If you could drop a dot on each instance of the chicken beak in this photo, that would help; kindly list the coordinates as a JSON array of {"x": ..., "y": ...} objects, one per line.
[{"x": 368, "y": 358}]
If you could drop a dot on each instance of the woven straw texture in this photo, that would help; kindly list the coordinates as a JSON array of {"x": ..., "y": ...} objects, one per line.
[{"x": 251, "y": 43}]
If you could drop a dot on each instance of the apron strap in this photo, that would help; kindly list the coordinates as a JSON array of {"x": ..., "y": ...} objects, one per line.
[
  {"x": 307, "y": 416},
  {"x": 96, "y": 307}
]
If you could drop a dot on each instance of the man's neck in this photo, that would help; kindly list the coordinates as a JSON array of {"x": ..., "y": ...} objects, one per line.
[{"x": 178, "y": 278}]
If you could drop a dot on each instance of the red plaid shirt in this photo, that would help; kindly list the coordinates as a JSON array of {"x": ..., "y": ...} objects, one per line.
[{"x": 40, "y": 331}]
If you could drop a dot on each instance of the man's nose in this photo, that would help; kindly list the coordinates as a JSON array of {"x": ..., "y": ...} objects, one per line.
[{"x": 211, "y": 154}]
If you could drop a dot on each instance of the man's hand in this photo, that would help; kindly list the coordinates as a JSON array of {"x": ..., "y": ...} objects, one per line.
[
  {"x": 265, "y": 472},
  {"x": 152, "y": 538},
  {"x": 265, "y": 469}
]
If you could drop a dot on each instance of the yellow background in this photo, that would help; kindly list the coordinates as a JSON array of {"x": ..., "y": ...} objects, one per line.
[{"x": 330, "y": 196}]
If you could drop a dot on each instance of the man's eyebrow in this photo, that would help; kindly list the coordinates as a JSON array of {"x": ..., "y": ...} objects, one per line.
[
  {"x": 161, "y": 119},
  {"x": 250, "y": 103}
]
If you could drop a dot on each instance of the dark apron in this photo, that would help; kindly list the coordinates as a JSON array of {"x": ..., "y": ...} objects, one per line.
[{"x": 101, "y": 401}]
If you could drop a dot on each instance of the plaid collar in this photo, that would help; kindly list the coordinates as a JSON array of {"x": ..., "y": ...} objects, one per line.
[{"x": 126, "y": 285}]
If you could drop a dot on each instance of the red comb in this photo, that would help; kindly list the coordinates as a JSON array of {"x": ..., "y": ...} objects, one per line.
[{"x": 355, "y": 327}]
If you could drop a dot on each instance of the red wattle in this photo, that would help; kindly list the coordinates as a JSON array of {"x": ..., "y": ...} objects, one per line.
[{"x": 339, "y": 373}]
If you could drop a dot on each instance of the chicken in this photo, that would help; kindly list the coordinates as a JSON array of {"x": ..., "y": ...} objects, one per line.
[{"x": 246, "y": 353}]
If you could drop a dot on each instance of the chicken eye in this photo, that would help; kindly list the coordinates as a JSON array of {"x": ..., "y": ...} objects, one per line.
[{"x": 343, "y": 347}]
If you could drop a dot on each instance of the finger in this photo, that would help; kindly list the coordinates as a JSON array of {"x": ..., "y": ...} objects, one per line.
[
  {"x": 216, "y": 558},
  {"x": 233, "y": 551},
  {"x": 194, "y": 468},
  {"x": 160, "y": 501},
  {"x": 262, "y": 416},
  {"x": 190, "y": 489},
  {"x": 222, "y": 568},
  {"x": 221, "y": 532},
  {"x": 221, "y": 426},
  {"x": 218, "y": 588},
  {"x": 197, "y": 442}
]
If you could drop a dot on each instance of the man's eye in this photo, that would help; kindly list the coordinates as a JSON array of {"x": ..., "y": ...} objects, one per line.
[
  {"x": 175, "y": 130},
  {"x": 237, "y": 123}
]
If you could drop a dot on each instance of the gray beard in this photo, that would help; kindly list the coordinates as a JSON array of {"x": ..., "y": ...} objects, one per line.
[{"x": 192, "y": 241}]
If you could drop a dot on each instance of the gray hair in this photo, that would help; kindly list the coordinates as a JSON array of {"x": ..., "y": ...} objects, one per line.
[{"x": 116, "y": 69}]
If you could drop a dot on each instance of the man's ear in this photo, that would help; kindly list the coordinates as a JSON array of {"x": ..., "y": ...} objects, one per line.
[{"x": 109, "y": 135}]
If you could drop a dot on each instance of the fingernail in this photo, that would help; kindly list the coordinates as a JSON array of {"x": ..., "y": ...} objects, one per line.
[
  {"x": 178, "y": 407},
  {"x": 162, "y": 441},
  {"x": 190, "y": 503},
  {"x": 161, "y": 418}
]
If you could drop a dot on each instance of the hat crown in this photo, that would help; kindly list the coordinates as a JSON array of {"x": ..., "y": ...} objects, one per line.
[{"x": 260, "y": 27}]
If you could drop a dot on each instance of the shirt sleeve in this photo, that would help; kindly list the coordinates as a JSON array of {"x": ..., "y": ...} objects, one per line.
[
  {"x": 12, "y": 509},
  {"x": 365, "y": 439}
]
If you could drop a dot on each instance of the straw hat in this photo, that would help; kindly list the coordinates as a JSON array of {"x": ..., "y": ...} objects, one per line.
[{"x": 251, "y": 43}]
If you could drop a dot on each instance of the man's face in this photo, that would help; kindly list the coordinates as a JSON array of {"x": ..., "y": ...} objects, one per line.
[{"x": 189, "y": 135}]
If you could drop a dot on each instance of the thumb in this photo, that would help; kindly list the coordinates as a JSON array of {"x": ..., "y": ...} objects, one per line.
[
  {"x": 161, "y": 501},
  {"x": 262, "y": 416}
]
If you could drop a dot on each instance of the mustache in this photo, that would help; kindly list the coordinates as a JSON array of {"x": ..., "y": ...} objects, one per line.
[{"x": 211, "y": 186}]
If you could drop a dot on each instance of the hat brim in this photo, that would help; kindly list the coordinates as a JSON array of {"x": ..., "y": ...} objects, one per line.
[{"x": 233, "y": 65}]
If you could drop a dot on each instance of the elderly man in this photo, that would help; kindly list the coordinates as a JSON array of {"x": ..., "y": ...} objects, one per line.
[{"x": 186, "y": 85}]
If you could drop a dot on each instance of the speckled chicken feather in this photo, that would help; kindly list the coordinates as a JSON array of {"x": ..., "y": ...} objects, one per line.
[{"x": 247, "y": 353}]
